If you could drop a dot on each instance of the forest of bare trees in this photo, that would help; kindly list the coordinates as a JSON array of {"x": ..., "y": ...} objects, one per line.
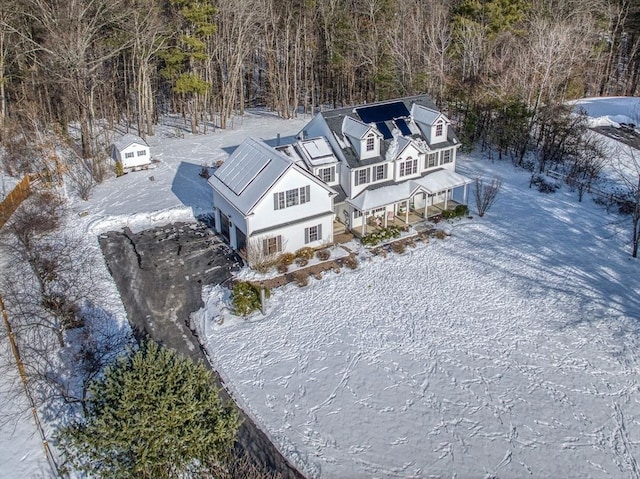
[{"x": 96, "y": 63}]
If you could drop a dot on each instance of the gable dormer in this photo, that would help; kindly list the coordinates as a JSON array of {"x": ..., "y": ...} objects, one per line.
[
  {"x": 432, "y": 123},
  {"x": 365, "y": 139}
]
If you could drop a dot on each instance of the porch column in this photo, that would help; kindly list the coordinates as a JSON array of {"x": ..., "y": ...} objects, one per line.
[
  {"x": 406, "y": 213},
  {"x": 385, "y": 217},
  {"x": 364, "y": 219},
  {"x": 446, "y": 196},
  {"x": 464, "y": 196}
]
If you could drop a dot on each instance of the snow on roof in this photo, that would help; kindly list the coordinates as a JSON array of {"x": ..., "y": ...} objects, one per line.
[
  {"x": 355, "y": 128},
  {"x": 128, "y": 139},
  {"x": 248, "y": 173},
  {"x": 318, "y": 151},
  {"x": 441, "y": 180},
  {"x": 424, "y": 115},
  {"x": 386, "y": 195}
]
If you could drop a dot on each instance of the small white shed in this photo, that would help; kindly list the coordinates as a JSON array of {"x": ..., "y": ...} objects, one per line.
[{"x": 132, "y": 152}]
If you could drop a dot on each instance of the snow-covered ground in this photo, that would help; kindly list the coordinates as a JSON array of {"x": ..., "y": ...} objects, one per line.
[
  {"x": 21, "y": 451},
  {"x": 509, "y": 348},
  {"x": 610, "y": 111}
]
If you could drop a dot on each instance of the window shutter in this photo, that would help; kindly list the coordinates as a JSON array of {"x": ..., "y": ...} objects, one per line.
[
  {"x": 279, "y": 243},
  {"x": 320, "y": 231},
  {"x": 265, "y": 246},
  {"x": 307, "y": 193},
  {"x": 332, "y": 175},
  {"x": 275, "y": 201},
  {"x": 306, "y": 235}
]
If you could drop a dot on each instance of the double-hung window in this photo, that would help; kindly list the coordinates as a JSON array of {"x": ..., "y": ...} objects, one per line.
[
  {"x": 293, "y": 197},
  {"x": 446, "y": 156},
  {"x": 142, "y": 152},
  {"x": 439, "y": 128},
  {"x": 129, "y": 154},
  {"x": 328, "y": 175},
  {"x": 431, "y": 160},
  {"x": 363, "y": 176},
  {"x": 312, "y": 233},
  {"x": 371, "y": 143},
  {"x": 380, "y": 172},
  {"x": 408, "y": 167},
  {"x": 272, "y": 245}
]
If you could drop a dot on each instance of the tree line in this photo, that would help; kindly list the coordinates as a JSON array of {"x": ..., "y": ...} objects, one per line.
[{"x": 97, "y": 63}]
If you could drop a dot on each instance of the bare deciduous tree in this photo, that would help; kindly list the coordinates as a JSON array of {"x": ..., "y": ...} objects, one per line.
[{"x": 485, "y": 194}]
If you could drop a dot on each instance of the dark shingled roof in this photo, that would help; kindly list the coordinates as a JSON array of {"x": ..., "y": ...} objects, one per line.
[{"x": 381, "y": 113}]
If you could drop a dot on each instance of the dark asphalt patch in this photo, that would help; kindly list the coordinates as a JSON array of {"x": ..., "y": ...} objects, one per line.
[{"x": 160, "y": 273}]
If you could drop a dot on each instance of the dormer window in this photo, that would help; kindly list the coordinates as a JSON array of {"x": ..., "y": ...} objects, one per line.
[
  {"x": 439, "y": 129},
  {"x": 371, "y": 143}
]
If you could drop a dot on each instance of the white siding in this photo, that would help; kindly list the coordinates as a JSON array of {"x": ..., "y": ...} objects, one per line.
[
  {"x": 137, "y": 160},
  {"x": 293, "y": 236},
  {"x": 364, "y": 154},
  {"x": 265, "y": 215},
  {"x": 235, "y": 217}
]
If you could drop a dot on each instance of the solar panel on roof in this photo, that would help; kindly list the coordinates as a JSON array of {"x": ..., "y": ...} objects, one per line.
[
  {"x": 403, "y": 127},
  {"x": 384, "y": 129},
  {"x": 242, "y": 173},
  {"x": 385, "y": 112}
]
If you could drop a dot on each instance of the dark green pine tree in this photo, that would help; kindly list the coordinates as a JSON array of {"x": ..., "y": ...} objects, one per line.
[{"x": 154, "y": 415}]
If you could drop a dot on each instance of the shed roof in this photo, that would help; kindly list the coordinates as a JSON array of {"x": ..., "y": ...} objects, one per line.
[{"x": 127, "y": 140}]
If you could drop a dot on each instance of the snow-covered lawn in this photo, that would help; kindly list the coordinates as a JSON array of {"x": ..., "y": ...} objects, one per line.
[
  {"x": 509, "y": 349},
  {"x": 176, "y": 193}
]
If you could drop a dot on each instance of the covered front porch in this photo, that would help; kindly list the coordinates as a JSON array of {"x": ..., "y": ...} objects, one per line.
[
  {"x": 406, "y": 204},
  {"x": 413, "y": 217}
]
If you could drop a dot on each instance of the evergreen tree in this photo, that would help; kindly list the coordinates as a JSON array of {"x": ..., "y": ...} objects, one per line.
[{"x": 154, "y": 415}]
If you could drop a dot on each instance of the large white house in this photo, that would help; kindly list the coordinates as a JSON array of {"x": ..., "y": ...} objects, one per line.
[
  {"x": 396, "y": 161},
  {"x": 358, "y": 168}
]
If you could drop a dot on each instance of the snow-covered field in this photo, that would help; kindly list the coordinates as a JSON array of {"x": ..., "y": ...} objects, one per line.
[{"x": 509, "y": 348}]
